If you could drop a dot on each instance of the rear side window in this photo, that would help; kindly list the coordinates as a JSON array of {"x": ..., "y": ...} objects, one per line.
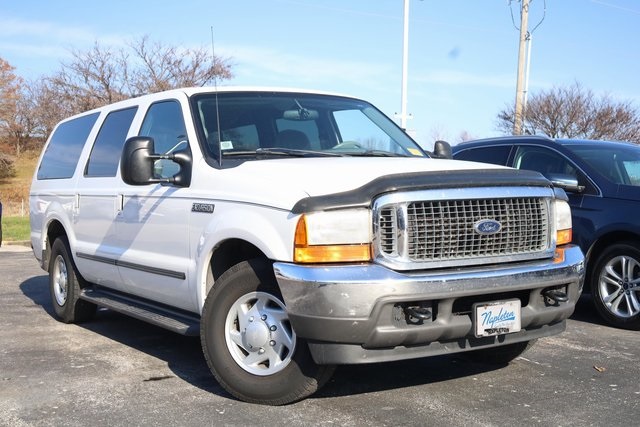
[
  {"x": 496, "y": 155},
  {"x": 61, "y": 157},
  {"x": 106, "y": 152}
]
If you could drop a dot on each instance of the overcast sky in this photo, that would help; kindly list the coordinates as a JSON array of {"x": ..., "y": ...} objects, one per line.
[{"x": 462, "y": 54}]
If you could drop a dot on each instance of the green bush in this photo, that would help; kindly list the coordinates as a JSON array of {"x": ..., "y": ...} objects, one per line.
[{"x": 7, "y": 169}]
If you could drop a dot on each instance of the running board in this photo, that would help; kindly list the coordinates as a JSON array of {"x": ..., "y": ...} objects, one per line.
[{"x": 184, "y": 323}]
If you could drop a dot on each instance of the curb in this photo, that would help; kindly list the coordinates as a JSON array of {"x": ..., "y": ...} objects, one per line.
[
  {"x": 15, "y": 246},
  {"x": 26, "y": 243}
]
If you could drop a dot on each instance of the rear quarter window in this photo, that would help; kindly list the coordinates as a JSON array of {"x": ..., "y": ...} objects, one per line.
[{"x": 63, "y": 152}]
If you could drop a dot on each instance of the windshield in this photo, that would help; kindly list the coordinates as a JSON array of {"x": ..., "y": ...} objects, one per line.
[
  {"x": 254, "y": 125},
  {"x": 619, "y": 163}
]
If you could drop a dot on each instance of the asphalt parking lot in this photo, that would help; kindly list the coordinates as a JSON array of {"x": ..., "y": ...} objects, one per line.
[{"x": 119, "y": 371}]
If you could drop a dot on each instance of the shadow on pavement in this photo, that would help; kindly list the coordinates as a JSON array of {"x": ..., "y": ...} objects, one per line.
[
  {"x": 359, "y": 379},
  {"x": 183, "y": 355},
  {"x": 586, "y": 311}
]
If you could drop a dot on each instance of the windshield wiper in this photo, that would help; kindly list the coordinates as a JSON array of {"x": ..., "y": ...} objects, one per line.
[
  {"x": 290, "y": 152},
  {"x": 375, "y": 153},
  {"x": 278, "y": 152}
]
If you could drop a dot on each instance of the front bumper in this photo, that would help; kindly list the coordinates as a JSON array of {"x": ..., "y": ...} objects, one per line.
[{"x": 354, "y": 313}]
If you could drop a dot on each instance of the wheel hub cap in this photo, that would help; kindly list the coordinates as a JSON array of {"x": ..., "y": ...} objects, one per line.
[
  {"x": 256, "y": 335},
  {"x": 60, "y": 281}
]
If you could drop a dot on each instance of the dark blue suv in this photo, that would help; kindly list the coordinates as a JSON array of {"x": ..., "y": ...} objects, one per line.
[{"x": 602, "y": 180}]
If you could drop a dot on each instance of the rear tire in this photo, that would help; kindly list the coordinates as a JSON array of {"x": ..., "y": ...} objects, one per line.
[
  {"x": 615, "y": 285},
  {"x": 248, "y": 341},
  {"x": 65, "y": 284},
  {"x": 501, "y": 355}
]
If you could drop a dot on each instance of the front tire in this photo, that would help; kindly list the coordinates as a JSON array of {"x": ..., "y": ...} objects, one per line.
[
  {"x": 65, "y": 285},
  {"x": 248, "y": 342},
  {"x": 615, "y": 285}
]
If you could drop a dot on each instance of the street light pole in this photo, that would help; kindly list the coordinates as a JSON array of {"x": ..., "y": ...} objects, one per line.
[{"x": 405, "y": 66}]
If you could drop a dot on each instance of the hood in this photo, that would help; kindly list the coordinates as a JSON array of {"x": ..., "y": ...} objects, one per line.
[{"x": 281, "y": 183}]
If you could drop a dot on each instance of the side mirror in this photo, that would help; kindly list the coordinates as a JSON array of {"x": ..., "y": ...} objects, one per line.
[
  {"x": 442, "y": 150},
  {"x": 139, "y": 157},
  {"x": 567, "y": 182}
]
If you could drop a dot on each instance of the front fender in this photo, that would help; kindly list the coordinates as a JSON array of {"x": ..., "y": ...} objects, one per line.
[{"x": 268, "y": 229}]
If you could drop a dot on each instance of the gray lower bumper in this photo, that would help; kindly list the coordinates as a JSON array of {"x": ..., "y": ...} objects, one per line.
[{"x": 353, "y": 313}]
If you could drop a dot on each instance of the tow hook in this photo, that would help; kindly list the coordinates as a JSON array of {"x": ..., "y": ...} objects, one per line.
[
  {"x": 556, "y": 295},
  {"x": 422, "y": 313}
]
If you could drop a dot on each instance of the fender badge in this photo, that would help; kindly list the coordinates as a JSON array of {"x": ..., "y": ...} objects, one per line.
[
  {"x": 487, "y": 226},
  {"x": 202, "y": 207}
]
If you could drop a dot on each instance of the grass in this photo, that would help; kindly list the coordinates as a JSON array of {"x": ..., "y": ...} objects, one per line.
[
  {"x": 14, "y": 195},
  {"x": 15, "y": 229}
]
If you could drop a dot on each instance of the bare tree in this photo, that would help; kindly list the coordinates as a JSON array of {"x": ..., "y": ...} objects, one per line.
[
  {"x": 103, "y": 75},
  {"x": 575, "y": 112},
  {"x": 167, "y": 67},
  {"x": 93, "y": 78},
  {"x": 465, "y": 136},
  {"x": 439, "y": 132},
  {"x": 10, "y": 87},
  {"x": 47, "y": 107}
]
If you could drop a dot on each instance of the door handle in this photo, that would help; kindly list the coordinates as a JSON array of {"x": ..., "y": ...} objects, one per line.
[{"x": 119, "y": 203}]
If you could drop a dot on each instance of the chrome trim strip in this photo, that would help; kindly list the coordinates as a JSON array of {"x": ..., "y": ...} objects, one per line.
[
  {"x": 471, "y": 193},
  {"x": 133, "y": 266}
]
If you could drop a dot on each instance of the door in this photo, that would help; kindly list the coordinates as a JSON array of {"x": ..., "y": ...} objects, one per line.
[
  {"x": 98, "y": 205},
  {"x": 154, "y": 228}
]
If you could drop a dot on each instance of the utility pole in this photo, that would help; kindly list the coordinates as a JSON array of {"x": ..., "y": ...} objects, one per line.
[{"x": 520, "y": 90}]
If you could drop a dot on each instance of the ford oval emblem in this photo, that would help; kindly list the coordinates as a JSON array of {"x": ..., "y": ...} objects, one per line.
[{"x": 487, "y": 226}]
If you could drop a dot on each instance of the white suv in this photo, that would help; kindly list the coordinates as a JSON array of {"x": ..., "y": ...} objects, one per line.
[{"x": 294, "y": 231}]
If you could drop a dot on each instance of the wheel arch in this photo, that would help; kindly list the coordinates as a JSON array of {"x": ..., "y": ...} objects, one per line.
[
  {"x": 53, "y": 230},
  {"x": 231, "y": 252},
  {"x": 222, "y": 257}
]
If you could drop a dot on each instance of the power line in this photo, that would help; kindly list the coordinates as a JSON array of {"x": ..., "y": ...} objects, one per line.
[{"x": 544, "y": 14}]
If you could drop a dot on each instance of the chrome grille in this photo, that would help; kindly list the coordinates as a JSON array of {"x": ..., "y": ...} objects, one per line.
[
  {"x": 388, "y": 239},
  {"x": 423, "y": 233},
  {"x": 445, "y": 229}
]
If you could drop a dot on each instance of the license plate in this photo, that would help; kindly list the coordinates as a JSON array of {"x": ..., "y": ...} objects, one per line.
[{"x": 496, "y": 318}]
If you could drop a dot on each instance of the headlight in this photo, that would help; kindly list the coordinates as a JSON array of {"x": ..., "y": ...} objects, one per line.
[
  {"x": 563, "y": 222},
  {"x": 333, "y": 236}
]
